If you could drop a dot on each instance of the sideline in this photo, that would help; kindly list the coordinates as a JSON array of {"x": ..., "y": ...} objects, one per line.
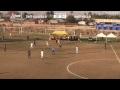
[{"x": 115, "y": 54}]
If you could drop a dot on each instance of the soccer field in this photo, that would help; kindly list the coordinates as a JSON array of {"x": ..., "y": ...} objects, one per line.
[{"x": 92, "y": 61}]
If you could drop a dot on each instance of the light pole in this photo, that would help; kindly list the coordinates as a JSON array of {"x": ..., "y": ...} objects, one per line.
[
  {"x": 4, "y": 28},
  {"x": 21, "y": 23}
]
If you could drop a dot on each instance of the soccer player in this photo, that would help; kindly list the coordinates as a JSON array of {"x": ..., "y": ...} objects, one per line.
[
  {"x": 31, "y": 45},
  {"x": 105, "y": 45},
  {"x": 60, "y": 45},
  {"x": 77, "y": 49},
  {"x": 42, "y": 52},
  {"x": 4, "y": 47},
  {"x": 53, "y": 51},
  {"x": 47, "y": 43},
  {"x": 29, "y": 53}
]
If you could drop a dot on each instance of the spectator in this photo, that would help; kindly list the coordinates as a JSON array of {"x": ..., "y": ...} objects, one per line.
[
  {"x": 27, "y": 37},
  {"x": 3, "y": 37},
  {"x": 10, "y": 34},
  {"x": 68, "y": 38}
]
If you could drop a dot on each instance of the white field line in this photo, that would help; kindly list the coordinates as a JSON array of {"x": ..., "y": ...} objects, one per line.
[
  {"x": 74, "y": 73},
  {"x": 83, "y": 61},
  {"x": 115, "y": 54}
]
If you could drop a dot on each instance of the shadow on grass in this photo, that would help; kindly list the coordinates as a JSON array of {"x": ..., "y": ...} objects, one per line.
[
  {"x": 76, "y": 54},
  {"x": 18, "y": 40},
  {"x": 86, "y": 52},
  {"x": 4, "y": 72},
  {"x": 63, "y": 57},
  {"x": 66, "y": 54},
  {"x": 54, "y": 57},
  {"x": 48, "y": 63}
]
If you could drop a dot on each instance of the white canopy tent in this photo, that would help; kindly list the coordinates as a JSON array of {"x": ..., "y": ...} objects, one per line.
[
  {"x": 100, "y": 35},
  {"x": 111, "y": 35}
]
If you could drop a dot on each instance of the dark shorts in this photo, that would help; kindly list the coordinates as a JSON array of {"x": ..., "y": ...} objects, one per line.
[{"x": 53, "y": 51}]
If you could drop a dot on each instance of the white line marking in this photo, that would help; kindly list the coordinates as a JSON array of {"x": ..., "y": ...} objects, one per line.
[
  {"x": 115, "y": 54},
  {"x": 82, "y": 61}
]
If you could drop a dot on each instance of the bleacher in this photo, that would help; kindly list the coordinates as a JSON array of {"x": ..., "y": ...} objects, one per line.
[{"x": 107, "y": 26}]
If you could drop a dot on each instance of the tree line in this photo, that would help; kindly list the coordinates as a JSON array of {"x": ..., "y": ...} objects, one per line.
[{"x": 70, "y": 18}]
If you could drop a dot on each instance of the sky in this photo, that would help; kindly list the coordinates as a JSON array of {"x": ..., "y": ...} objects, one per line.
[{"x": 75, "y": 12}]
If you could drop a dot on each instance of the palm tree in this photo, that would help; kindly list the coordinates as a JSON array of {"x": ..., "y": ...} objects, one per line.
[
  {"x": 47, "y": 13},
  {"x": 90, "y": 13},
  {"x": 52, "y": 12},
  {"x": 85, "y": 14}
]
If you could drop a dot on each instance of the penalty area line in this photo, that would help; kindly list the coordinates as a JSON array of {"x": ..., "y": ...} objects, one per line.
[{"x": 115, "y": 53}]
